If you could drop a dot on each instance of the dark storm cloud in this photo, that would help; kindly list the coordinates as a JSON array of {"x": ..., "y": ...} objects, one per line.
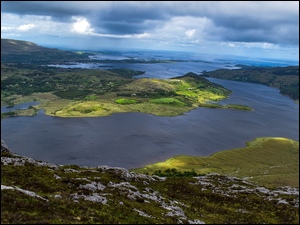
[
  {"x": 125, "y": 27},
  {"x": 114, "y": 10},
  {"x": 56, "y": 10},
  {"x": 115, "y": 17},
  {"x": 249, "y": 21},
  {"x": 128, "y": 18},
  {"x": 255, "y": 30}
]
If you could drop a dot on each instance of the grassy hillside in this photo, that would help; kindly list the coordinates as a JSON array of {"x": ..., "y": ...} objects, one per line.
[
  {"x": 265, "y": 161},
  {"x": 36, "y": 192},
  {"x": 284, "y": 78}
]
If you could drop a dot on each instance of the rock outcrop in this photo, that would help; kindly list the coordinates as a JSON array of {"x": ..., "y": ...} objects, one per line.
[{"x": 103, "y": 194}]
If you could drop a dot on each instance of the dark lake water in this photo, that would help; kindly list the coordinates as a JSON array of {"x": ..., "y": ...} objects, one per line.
[
  {"x": 20, "y": 106},
  {"x": 133, "y": 140},
  {"x": 157, "y": 70}
]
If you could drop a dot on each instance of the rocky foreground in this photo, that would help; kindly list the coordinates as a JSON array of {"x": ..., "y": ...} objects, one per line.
[{"x": 38, "y": 192}]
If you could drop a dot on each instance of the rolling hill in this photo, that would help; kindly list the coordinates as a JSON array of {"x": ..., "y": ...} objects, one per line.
[{"x": 25, "y": 52}]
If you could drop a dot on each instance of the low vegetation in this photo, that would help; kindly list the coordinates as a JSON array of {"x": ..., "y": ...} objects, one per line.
[{"x": 37, "y": 192}]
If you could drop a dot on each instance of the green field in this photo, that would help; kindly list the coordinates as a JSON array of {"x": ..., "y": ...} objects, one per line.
[{"x": 267, "y": 161}]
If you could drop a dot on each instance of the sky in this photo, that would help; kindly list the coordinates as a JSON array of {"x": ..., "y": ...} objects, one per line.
[{"x": 265, "y": 29}]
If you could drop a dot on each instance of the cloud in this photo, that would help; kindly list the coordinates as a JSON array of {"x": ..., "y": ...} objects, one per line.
[
  {"x": 183, "y": 30},
  {"x": 4, "y": 29},
  {"x": 190, "y": 33},
  {"x": 81, "y": 26},
  {"x": 26, "y": 27},
  {"x": 234, "y": 24},
  {"x": 257, "y": 45}
]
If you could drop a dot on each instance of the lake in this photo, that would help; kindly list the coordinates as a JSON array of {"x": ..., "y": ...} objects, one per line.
[{"x": 132, "y": 140}]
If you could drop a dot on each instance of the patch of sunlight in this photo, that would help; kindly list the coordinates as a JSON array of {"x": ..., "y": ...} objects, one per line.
[{"x": 281, "y": 139}]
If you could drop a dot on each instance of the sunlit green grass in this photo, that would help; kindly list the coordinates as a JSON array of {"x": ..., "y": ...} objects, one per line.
[
  {"x": 102, "y": 108},
  {"x": 125, "y": 101},
  {"x": 86, "y": 108},
  {"x": 172, "y": 101}
]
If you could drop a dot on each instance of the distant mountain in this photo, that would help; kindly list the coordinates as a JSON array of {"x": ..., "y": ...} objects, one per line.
[
  {"x": 25, "y": 52},
  {"x": 284, "y": 78}
]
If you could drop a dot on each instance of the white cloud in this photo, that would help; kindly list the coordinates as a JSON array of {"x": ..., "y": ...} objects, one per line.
[
  {"x": 269, "y": 45},
  {"x": 5, "y": 29},
  {"x": 262, "y": 45},
  {"x": 143, "y": 35},
  {"x": 26, "y": 27},
  {"x": 181, "y": 30},
  {"x": 81, "y": 26},
  {"x": 190, "y": 33}
]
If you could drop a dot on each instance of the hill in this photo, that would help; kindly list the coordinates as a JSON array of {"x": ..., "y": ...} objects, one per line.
[
  {"x": 25, "y": 52},
  {"x": 286, "y": 79},
  {"x": 37, "y": 192}
]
